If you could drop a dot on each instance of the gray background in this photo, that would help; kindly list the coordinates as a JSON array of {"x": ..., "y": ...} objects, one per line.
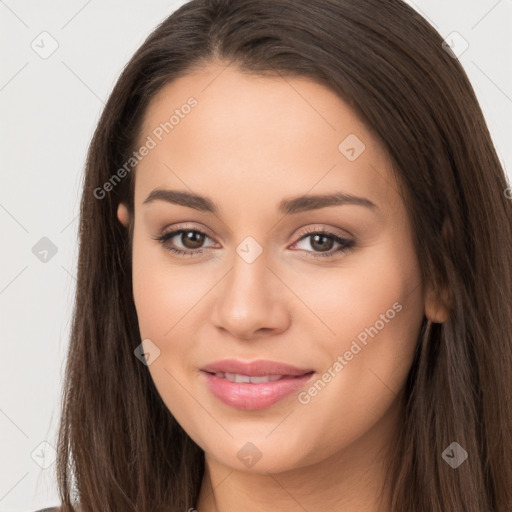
[{"x": 49, "y": 108}]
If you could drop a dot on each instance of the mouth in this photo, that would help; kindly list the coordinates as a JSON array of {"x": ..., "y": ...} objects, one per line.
[
  {"x": 255, "y": 368},
  {"x": 253, "y": 385}
]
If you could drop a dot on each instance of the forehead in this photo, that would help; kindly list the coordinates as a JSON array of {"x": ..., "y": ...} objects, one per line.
[{"x": 267, "y": 135}]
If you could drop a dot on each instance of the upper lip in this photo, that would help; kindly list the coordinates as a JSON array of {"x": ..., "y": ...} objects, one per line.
[{"x": 254, "y": 368}]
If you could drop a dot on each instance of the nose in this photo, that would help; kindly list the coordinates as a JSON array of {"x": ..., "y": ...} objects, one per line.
[{"x": 252, "y": 301}]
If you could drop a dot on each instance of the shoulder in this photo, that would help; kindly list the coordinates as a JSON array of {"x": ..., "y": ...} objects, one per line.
[{"x": 51, "y": 509}]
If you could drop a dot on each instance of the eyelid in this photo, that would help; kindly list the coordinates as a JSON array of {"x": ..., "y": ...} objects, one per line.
[
  {"x": 327, "y": 229},
  {"x": 187, "y": 227}
]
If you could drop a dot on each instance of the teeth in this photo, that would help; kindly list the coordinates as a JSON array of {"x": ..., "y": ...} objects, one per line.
[
  {"x": 265, "y": 378},
  {"x": 236, "y": 377}
]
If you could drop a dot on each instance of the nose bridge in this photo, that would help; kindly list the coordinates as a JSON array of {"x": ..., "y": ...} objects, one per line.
[
  {"x": 249, "y": 299},
  {"x": 247, "y": 283}
]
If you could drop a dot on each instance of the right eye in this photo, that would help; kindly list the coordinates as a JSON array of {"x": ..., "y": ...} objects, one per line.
[{"x": 190, "y": 239}]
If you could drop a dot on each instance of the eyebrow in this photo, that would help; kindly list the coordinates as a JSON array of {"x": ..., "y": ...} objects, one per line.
[{"x": 286, "y": 206}]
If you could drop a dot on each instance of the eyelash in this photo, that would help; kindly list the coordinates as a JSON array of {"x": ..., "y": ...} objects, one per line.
[{"x": 346, "y": 245}]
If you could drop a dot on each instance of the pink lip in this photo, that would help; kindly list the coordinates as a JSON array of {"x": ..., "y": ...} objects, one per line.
[
  {"x": 252, "y": 396},
  {"x": 253, "y": 368}
]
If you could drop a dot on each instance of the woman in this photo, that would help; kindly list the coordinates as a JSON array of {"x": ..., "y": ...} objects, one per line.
[{"x": 294, "y": 281}]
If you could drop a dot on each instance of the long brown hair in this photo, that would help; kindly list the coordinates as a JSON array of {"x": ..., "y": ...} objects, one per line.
[{"x": 119, "y": 447}]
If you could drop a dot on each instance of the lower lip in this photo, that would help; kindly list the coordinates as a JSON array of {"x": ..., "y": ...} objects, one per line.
[{"x": 245, "y": 395}]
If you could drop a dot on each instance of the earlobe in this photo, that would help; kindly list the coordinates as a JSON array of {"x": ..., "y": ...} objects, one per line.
[
  {"x": 123, "y": 215},
  {"x": 438, "y": 302},
  {"x": 437, "y": 306}
]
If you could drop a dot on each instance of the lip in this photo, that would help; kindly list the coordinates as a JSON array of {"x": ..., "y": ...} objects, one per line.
[
  {"x": 253, "y": 396},
  {"x": 254, "y": 368}
]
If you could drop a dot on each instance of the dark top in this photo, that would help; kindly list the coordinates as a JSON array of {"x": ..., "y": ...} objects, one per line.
[{"x": 51, "y": 509}]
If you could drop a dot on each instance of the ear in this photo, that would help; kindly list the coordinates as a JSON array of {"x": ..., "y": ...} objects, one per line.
[
  {"x": 438, "y": 301},
  {"x": 123, "y": 215},
  {"x": 437, "y": 305}
]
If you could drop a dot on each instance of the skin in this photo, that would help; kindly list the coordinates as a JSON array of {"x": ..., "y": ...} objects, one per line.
[{"x": 249, "y": 143}]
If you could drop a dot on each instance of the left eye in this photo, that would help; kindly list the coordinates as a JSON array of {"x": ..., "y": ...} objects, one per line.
[
  {"x": 323, "y": 241},
  {"x": 192, "y": 241}
]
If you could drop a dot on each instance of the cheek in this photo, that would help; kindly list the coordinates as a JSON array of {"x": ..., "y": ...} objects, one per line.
[
  {"x": 163, "y": 292},
  {"x": 170, "y": 302},
  {"x": 371, "y": 310},
  {"x": 376, "y": 320},
  {"x": 164, "y": 296},
  {"x": 375, "y": 308},
  {"x": 378, "y": 285}
]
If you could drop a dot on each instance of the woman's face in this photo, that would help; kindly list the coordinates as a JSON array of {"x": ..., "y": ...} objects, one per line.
[{"x": 277, "y": 267}]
